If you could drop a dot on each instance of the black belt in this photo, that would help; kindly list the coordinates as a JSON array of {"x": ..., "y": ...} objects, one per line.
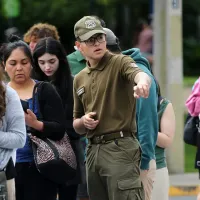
[{"x": 110, "y": 136}]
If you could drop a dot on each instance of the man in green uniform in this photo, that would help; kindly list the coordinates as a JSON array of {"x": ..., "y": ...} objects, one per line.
[
  {"x": 76, "y": 62},
  {"x": 105, "y": 95}
]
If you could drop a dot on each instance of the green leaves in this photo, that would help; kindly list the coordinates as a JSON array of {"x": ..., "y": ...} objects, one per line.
[{"x": 11, "y": 8}]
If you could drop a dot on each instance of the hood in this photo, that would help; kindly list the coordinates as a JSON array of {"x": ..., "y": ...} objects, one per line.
[
  {"x": 136, "y": 55},
  {"x": 141, "y": 61}
]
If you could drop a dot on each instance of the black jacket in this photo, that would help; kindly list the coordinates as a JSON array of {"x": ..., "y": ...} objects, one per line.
[
  {"x": 68, "y": 104},
  {"x": 53, "y": 116}
]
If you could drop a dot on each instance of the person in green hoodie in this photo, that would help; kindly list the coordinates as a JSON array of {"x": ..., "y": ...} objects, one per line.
[{"x": 146, "y": 115}]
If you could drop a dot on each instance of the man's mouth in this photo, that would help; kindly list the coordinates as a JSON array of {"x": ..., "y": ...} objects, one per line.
[{"x": 97, "y": 50}]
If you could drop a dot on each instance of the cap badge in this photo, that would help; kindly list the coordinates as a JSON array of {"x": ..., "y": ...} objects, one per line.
[{"x": 90, "y": 24}]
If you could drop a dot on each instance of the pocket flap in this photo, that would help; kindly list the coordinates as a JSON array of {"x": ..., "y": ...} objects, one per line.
[{"x": 128, "y": 184}]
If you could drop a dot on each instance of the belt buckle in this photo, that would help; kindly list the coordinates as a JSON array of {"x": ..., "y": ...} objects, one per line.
[
  {"x": 102, "y": 139},
  {"x": 121, "y": 134},
  {"x": 99, "y": 139}
]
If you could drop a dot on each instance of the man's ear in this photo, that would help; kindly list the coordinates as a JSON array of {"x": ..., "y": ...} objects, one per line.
[{"x": 78, "y": 45}]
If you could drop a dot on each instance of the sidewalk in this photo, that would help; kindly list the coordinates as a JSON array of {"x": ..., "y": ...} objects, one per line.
[{"x": 184, "y": 184}]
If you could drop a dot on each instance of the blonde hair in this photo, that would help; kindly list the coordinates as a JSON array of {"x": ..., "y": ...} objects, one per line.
[{"x": 41, "y": 30}]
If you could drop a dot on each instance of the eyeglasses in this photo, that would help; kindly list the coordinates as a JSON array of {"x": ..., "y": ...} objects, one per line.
[{"x": 91, "y": 41}]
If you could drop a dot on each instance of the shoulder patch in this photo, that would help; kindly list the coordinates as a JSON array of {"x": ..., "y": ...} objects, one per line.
[{"x": 80, "y": 91}]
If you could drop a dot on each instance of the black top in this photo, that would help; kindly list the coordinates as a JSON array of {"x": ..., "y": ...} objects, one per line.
[
  {"x": 52, "y": 111},
  {"x": 10, "y": 170},
  {"x": 68, "y": 103}
]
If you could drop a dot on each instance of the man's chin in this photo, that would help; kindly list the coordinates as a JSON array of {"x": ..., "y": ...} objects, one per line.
[{"x": 99, "y": 55}]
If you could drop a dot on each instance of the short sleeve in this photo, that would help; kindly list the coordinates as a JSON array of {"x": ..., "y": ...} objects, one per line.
[{"x": 129, "y": 69}]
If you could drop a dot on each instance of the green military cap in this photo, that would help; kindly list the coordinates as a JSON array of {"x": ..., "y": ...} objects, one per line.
[{"x": 86, "y": 27}]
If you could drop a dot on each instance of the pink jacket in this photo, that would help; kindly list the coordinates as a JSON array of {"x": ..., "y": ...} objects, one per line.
[{"x": 193, "y": 101}]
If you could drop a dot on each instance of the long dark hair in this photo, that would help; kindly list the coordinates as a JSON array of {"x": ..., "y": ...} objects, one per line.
[
  {"x": 62, "y": 78},
  {"x": 5, "y": 51}
]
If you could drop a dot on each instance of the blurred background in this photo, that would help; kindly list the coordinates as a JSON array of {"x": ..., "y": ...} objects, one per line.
[{"x": 120, "y": 16}]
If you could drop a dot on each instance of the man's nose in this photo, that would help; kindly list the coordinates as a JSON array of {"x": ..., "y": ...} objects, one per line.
[{"x": 96, "y": 42}]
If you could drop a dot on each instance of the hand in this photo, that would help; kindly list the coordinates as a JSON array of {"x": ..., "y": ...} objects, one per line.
[
  {"x": 89, "y": 122},
  {"x": 141, "y": 90},
  {"x": 31, "y": 120},
  {"x": 144, "y": 171},
  {"x": 143, "y": 174}
]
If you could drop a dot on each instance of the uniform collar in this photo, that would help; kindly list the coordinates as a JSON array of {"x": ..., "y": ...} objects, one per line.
[
  {"x": 79, "y": 56},
  {"x": 102, "y": 63}
]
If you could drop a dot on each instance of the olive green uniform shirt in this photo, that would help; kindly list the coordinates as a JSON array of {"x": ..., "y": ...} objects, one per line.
[{"x": 107, "y": 89}]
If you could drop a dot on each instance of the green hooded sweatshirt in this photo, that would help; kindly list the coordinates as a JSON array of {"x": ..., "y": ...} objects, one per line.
[{"x": 146, "y": 112}]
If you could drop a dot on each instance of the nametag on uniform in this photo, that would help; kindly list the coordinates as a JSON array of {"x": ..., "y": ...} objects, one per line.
[{"x": 81, "y": 91}]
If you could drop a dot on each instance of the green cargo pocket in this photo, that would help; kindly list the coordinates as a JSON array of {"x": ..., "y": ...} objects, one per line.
[
  {"x": 129, "y": 184},
  {"x": 131, "y": 189}
]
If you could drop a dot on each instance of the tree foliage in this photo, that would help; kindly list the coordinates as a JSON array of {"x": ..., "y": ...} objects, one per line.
[
  {"x": 119, "y": 15},
  {"x": 191, "y": 37}
]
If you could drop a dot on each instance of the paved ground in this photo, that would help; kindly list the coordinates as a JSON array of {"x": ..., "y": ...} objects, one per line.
[
  {"x": 184, "y": 185},
  {"x": 189, "y": 179},
  {"x": 182, "y": 198}
]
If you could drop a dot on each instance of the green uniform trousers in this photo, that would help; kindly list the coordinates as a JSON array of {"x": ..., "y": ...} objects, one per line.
[{"x": 113, "y": 170}]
